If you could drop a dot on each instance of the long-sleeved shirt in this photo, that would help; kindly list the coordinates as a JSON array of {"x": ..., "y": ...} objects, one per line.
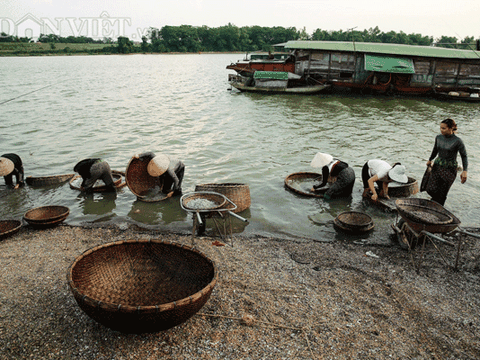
[{"x": 447, "y": 148}]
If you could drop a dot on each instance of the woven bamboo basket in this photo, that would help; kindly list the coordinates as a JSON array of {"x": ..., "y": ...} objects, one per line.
[
  {"x": 354, "y": 222},
  {"x": 48, "y": 180},
  {"x": 141, "y": 286},
  {"x": 216, "y": 201},
  {"x": 117, "y": 181},
  {"x": 141, "y": 183},
  {"x": 239, "y": 194},
  {"x": 9, "y": 227},
  {"x": 302, "y": 183},
  {"x": 424, "y": 211},
  {"x": 46, "y": 214},
  {"x": 403, "y": 190}
]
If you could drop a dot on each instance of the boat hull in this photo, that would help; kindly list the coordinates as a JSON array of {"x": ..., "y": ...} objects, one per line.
[{"x": 313, "y": 89}]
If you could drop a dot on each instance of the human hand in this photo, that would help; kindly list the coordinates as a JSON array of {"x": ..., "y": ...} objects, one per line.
[
  {"x": 374, "y": 197},
  {"x": 429, "y": 163},
  {"x": 18, "y": 185},
  {"x": 170, "y": 194},
  {"x": 463, "y": 177}
]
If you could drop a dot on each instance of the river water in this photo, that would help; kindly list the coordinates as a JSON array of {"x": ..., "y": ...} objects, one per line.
[{"x": 67, "y": 108}]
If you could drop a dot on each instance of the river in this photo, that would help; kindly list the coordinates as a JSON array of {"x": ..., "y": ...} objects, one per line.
[{"x": 66, "y": 108}]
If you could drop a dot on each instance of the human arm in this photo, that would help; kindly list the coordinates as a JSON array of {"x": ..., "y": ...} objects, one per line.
[
  {"x": 325, "y": 174},
  {"x": 371, "y": 186},
  {"x": 433, "y": 154}
]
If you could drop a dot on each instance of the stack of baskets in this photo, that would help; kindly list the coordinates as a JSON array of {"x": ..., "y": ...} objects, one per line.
[
  {"x": 239, "y": 194},
  {"x": 354, "y": 222},
  {"x": 46, "y": 216}
]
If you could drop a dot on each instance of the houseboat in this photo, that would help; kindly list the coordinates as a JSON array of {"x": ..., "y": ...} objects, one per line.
[{"x": 381, "y": 68}]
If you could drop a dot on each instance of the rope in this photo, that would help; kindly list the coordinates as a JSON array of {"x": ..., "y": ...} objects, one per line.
[{"x": 28, "y": 93}]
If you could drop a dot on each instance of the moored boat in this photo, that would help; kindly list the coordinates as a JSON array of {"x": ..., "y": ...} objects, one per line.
[{"x": 275, "y": 82}]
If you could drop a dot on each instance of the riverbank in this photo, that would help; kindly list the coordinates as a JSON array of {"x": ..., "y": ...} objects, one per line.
[{"x": 275, "y": 299}]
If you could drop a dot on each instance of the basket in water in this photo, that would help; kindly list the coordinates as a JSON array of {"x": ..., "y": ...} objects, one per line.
[
  {"x": 98, "y": 187},
  {"x": 48, "y": 180},
  {"x": 140, "y": 286},
  {"x": 302, "y": 183},
  {"x": 46, "y": 215},
  {"x": 141, "y": 183},
  {"x": 354, "y": 221},
  {"x": 403, "y": 190},
  {"x": 239, "y": 194},
  {"x": 203, "y": 201},
  {"x": 9, "y": 227}
]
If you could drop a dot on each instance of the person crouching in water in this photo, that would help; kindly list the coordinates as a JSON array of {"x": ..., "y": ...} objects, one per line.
[
  {"x": 92, "y": 170},
  {"x": 169, "y": 170},
  {"x": 340, "y": 174},
  {"x": 380, "y": 172},
  {"x": 10, "y": 165}
]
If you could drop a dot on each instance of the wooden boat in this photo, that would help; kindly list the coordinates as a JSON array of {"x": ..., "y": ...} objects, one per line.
[
  {"x": 48, "y": 180},
  {"x": 378, "y": 67},
  {"x": 276, "y": 82},
  {"x": 459, "y": 96}
]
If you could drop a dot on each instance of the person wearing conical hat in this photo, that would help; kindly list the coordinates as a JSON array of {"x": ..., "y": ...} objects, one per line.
[
  {"x": 92, "y": 170},
  {"x": 336, "y": 172},
  {"x": 380, "y": 172},
  {"x": 10, "y": 165},
  {"x": 171, "y": 171}
]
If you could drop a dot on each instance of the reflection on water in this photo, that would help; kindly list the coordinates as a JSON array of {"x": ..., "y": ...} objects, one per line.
[{"x": 115, "y": 106}]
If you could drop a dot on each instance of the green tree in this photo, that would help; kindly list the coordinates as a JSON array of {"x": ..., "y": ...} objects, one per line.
[{"x": 124, "y": 45}]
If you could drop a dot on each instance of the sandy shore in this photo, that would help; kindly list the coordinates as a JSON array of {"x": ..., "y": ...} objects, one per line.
[{"x": 275, "y": 299}]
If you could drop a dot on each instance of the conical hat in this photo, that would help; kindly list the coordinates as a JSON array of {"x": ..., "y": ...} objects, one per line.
[
  {"x": 321, "y": 159},
  {"x": 6, "y": 166},
  {"x": 397, "y": 173},
  {"x": 158, "y": 165}
]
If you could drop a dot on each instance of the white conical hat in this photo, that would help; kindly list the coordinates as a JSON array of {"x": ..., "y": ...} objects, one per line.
[
  {"x": 397, "y": 173},
  {"x": 158, "y": 165},
  {"x": 321, "y": 159},
  {"x": 6, "y": 166}
]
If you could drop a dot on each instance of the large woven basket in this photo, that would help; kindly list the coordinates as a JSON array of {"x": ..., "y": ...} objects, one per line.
[
  {"x": 423, "y": 211},
  {"x": 48, "y": 180},
  {"x": 403, "y": 190},
  {"x": 302, "y": 183},
  {"x": 9, "y": 227},
  {"x": 210, "y": 201},
  {"x": 239, "y": 194},
  {"x": 354, "y": 222},
  {"x": 141, "y": 183},
  {"x": 46, "y": 215},
  {"x": 117, "y": 182},
  {"x": 140, "y": 286}
]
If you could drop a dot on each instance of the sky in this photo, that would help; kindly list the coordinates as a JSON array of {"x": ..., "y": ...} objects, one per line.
[{"x": 132, "y": 18}]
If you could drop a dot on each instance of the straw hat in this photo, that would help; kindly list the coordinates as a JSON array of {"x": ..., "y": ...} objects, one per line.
[
  {"x": 321, "y": 159},
  {"x": 397, "y": 173},
  {"x": 158, "y": 165},
  {"x": 6, "y": 166}
]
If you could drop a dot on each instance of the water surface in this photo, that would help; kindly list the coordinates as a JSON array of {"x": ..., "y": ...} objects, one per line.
[{"x": 115, "y": 106}]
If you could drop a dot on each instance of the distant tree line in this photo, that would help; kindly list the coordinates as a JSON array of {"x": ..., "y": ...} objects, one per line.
[{"x": 230, "y": 38}]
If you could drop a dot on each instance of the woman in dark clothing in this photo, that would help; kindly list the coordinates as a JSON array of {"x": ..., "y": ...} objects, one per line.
[
  {"x": 93, "y": 169},
  {"x": 10, "y": 165},
  {"x": 171, "y": 171},
  {"x": 340, "y": 174},
  {"x": 444, "y": 170}
]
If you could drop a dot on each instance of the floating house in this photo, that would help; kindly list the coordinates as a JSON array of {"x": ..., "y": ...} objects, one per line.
[{"x": 378, "y": 67}]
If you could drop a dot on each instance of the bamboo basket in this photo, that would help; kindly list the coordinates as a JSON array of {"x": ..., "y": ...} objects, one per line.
[
  {"x": 9, "y": 227},
  {"x": 141, "y": 286},
  {"x": 239, "y": 194}
]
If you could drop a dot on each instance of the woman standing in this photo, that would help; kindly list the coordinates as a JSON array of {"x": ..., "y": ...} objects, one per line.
[{"x": 444, "y": 170}]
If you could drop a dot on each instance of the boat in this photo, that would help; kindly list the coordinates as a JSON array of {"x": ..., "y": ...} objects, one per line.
[
  {"x": 262, "y": 61},
  {"x": 460, "y": 96},
  {"x": 276, "y": 82},
  {"x": 376, "y": 67}
]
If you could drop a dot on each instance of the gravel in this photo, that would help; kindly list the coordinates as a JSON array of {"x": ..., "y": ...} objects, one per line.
[{"x": 275, "y": 299}]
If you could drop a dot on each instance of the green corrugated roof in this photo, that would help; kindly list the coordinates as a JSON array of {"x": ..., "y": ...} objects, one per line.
[
  {"x": 380, "y": 48},
  {"x": 390, "y": 64},
  {"x": 277, "y": 75}
]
